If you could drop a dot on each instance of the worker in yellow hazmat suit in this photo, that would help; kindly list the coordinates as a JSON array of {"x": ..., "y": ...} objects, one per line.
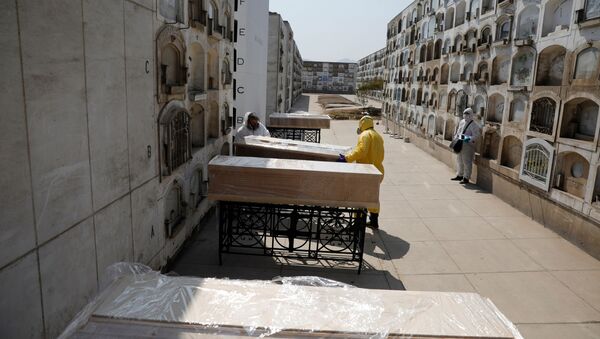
[{"x": 369, "y": 150}]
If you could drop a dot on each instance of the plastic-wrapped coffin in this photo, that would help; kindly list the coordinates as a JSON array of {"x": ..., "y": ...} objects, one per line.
[
  {"x": 299, "y": 120},
  {"x": 163, "y": 306},
  {"x": 294, "y": 182},
  {"x": 267, "y": 147}
]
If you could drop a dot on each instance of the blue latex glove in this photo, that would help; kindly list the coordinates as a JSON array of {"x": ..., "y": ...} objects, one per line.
[{"x": 342, "y": 158}]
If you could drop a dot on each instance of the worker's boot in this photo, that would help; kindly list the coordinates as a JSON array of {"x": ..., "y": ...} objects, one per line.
[{"x": 373, "y": 221}]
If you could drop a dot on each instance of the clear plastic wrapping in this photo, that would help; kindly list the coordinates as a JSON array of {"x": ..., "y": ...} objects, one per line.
[{"x": 140, "y": 301}]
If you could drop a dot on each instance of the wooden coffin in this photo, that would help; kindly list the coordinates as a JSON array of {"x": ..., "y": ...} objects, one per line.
[
  {"x": 299, "y": 120},
  {"x": 297, "y": 182},
  {"x": 267, "y": 147},
  {"x": 167, "y": 307}
]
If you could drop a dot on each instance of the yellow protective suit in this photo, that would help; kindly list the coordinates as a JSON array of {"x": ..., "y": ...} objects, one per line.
[{"x": 369, "y": 149}]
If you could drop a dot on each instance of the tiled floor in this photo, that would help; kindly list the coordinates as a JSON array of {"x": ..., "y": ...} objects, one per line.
[{"x": 438, "y": 235}]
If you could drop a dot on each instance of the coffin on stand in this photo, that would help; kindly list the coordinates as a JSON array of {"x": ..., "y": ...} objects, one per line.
[
  {"x": 293, "y": 182},
  {"x": 299, "y": 120},
  {"x": 151, "y": 304},
  {"x": 267, "y": 147}
]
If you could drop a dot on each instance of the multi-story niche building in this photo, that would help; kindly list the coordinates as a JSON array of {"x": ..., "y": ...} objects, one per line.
[
  {"x": 371, "y": 68},
  {"x": 111, "y": 112},
  {"x": 530, "y": 69},
  {"x": 282, "y": 68},
  {"x": 329, "y": 77}
]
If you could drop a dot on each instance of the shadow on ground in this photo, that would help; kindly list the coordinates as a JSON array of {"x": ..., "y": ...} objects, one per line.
[{"x": 199, "y": 257}]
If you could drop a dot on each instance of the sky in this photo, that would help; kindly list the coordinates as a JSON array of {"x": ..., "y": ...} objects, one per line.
[{"x": 334, "y": 30}]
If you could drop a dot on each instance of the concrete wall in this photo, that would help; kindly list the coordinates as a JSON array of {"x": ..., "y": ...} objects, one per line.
[
  {"x": 80, "y": 154},
  {"x": 251, "y": 63}
]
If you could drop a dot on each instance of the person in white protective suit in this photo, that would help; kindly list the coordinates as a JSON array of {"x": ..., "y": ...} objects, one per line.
[
  {"x": 468, "y": 131},
  {"x": 251, "y": 126}
]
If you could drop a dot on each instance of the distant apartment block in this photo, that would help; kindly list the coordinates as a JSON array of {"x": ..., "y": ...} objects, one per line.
[{"x": 329, "y": 77}]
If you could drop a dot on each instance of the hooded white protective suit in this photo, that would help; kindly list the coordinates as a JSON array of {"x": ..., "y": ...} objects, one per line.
[
  {"x": 468, "y": 130},
  {"x": 246, "y": 130}
]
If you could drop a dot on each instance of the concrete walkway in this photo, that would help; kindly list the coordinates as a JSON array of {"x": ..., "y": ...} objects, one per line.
[{"x": 437, "y": 235}]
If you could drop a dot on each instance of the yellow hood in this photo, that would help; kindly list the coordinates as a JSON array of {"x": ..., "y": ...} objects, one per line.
[{"x": 365, "y": 123}]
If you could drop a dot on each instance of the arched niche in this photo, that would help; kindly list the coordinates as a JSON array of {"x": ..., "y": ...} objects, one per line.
[
  {"x": 198, "y": 125},
  {"x": 500, "y": 70},
  {"x": 197, "y": 188},
  {"x": 225, "y": 149},
  {"x": 462, "y": 100},
  {"x": 452, "y": 102},
  {"x": 460, "y": 12},
  {"x": 485, "y": 37},
  {"x": 596, "y": 193},
  {"x": 527, "y": 22},
  {"x": 438, "y": 49},
  {"x": 175, "y": 137},
  {"x": 543, "y": 111},
  {"x": 491, "y": 144},
  {"x": 439, "y": 126},
  {"x": 495, "y": 108},
  {"x": 512, "y": 148},
  {"x": 175, "y": 209},
  {"x": 213, "y": 120},
  {"x": 213, "y": 69},
  {"x": 579, "y": 120},
  {"x": 551, "y": 65},
  {"x": 557, "y": 16},
  {"x": 445, "y": 74},
  {"x": 431, "y": 125},
  {"x": 517, "y": 109},
  {"x": 455, "y": 72},
  {"x": 449, "y": 18},
  {"x": 172, "y": 73},
  {"x": 503, "y": 28},
  {"x": 479, "y": 105},
  {"x": 197, "y": 57},
  {"x": 474, "y": 9},
  {"x": 449, "y": 129},
  {"x": 572, "y": 171},
  {"x": 587, "y": 64},
  {"x": 522, "y": 67},
  {"x": 467, "y": 71}
]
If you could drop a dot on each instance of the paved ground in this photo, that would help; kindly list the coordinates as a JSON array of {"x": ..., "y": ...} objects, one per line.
[{"x": 437, "y": 235}]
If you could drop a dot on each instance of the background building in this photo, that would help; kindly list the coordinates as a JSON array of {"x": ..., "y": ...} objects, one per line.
[
  {"x": 282, "y": 69},
  {"x": 250, "y": 54},
  {"x": 329, "y": 77},
  {"x": 530, "y": 70},
  {"x": 371, "y": 68},
  {"x": 111, "y": 111}
]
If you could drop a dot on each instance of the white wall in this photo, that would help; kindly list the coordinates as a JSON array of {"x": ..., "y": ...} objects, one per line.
[{"x": 251, "y": 63}]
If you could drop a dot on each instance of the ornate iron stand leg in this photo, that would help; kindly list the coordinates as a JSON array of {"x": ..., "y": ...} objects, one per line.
[
  {"x": 220, "y": 221},
  {"x": 362, "y": 224}
]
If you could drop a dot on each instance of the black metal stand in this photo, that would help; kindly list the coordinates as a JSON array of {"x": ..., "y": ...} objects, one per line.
[
  {"x": 326, "y": 233},
  {"x": 301, "y": 134}
]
